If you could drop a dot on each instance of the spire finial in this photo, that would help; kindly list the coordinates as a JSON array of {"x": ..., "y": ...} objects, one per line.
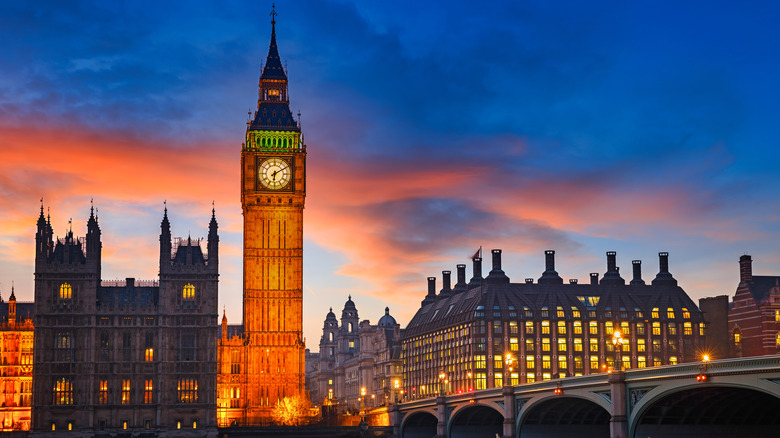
[
  {"x": 165, "y": 207},
  {"x": 213, "y": 211},
  {"x": 273, "y": 14},
  {"x": 41, "y": 206},
  {"x": 70, "y": 225}
]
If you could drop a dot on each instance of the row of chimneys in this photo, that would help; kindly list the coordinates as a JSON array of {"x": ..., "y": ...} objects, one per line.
[{"x": 549, "y": 276}]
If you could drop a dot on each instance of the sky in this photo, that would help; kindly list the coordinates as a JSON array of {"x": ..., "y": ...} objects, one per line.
[{"x": 432, "y": 128}]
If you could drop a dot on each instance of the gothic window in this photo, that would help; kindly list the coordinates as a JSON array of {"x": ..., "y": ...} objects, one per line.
[
  {"x": 235, "y": 362},
  {"x": 187, "y": 347},
  {"x": 149, "y": 347},
  {"x": 148, "y": 391},
  {"x": 63, "y": 391},
  {"x": 188, "y": 293},
  {"x": 127, "y": 347},
  {"x": 66, "y": 291},
  {"x": 351, "y": 327},
  {"x": 125, "y": 391},
  {"x": 63, "y": 347},
  {"x": 187, "y": 390},
  {"x": 330, "y": 336},
  {"x": 103, "y": 392},
  {"x": 105, "y": 347}
]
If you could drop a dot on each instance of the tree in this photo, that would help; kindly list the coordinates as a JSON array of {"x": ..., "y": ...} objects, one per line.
[{"x": 291, "y": 410}]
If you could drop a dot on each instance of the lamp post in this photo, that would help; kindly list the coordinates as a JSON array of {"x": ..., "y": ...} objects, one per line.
[
  {"x": 509, "y": 361},
  {"x": 471, "y": 385},
  {"x": 617, "y": 341},
  {"x": 396, "y": 385},
  {"x": 442, "y": 379}
]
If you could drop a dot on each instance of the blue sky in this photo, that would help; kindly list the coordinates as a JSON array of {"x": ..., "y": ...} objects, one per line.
[{"x": 432, "y": 128}]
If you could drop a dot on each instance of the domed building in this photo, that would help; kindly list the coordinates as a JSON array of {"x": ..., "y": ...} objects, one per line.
[{"x": 353, "y": 355}]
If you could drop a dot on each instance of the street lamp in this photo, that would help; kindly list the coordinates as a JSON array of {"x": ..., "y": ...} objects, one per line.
[
  {"x": 509, "y": 360},
  {"x": 442, "y": 379},
  {"x": 396, "y": 385},
  {"x": 617, "y": 340},
  {"x": 471, "y": 385}
]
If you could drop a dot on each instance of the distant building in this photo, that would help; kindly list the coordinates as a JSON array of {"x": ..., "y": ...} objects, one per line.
[
  {"x": 490, "y": 331},
  {"x": 16, "y": 350},
  {"x": 355, "y": 355},
  {"x": 754, "y": 315},
  {"x": 716, "y": 315},
  {"x": 126, "y": 357}
]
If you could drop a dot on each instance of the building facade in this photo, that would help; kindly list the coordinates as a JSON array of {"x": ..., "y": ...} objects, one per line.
[
  {"x": 16, "y": 351},
  {"x": 490, "y": 332},
  {"x": 754, "y": 314},
  {"x": 355, "y": 355},
  {"x": 124, "y": 356},
  {"x": 269, "y": 345}
]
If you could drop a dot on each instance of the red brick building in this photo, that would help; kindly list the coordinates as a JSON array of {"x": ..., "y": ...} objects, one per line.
[{"x": 754, "y": 316}]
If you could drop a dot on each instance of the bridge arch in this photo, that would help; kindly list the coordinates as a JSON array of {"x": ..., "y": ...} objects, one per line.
[
  {"x": 580, "y": 414},
  {"x": 476, "y": 420},
  {"x": 419, "y": 424},
  {"x": 731, "y": 407}
]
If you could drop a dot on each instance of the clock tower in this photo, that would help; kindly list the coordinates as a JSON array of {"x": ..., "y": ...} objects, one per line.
[{"x": 273, "y": 191}]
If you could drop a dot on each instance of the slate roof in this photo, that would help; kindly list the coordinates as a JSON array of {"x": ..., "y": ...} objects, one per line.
[
  {"x": 233, "y": 330},
  {"x": 24, "y": 310},
  {"x": 275, "y": 116},
  {"x": 462, "y": 307},
  {"x": 761, "y": 287}
]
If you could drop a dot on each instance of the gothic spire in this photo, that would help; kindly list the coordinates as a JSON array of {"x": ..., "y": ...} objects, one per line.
[{"x": 273, "y": 64}]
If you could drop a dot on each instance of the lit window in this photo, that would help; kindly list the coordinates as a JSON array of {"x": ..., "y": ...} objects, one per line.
[
  {"x": 529, "y": 327},
  {"x": 594, "y": 363},
  {"x": 561, "y": 327},
  {"x": 103, "y": 392},
  {"x": 640, "y": 345},
  {"x": 642, "y": 361},
  {"x": 498, "y": 380},
  {"x": 701, "y": 329},
  {"x": 498, "y": 362},
  {"x": 546, "y": 363},
  {"x": 66, "y": 291},
  {"x": 513, "y": 328},
  {"x": 63, "y": 391},
  {"x": 640, "y": 328},
  {"x": 545, "y": 344},
  {"x": 737, "y": 337},
  {"x": 638, "y": 312},
  {"x": 530, "y": 377},
  {"x": 560, "y": 313},
  {"x": 656, "y": 329},
  {"x": 513, "y": 344},
  {"x": 149, "y": 355},
  {"x": 672, "y": 360},
  {"x": 578, "y": 345},
  {"x": 546, "y": 376},
  {"x": 777, "y": 339},
  {"x": 670, "y": 313},
  {"x": 70, "y": 425},
  {"x": 529, "y": 363},
  {"x": 187, "y": 390},
  {"x": 480, "y": 379},
  {"x": 148, "y": 391},
  {"x": 686, "y": 313},
  {"x": 777, "y": 315},
  {"x": 545, "y": 327},
  {"x": 594, "y": 345},
  {"x": 578, "y": 362},
  {"x": 529, "y": 345},
  {"x": 687, "y": 328},
  {"x": 608, "y": 328},
  {"x": 561, "y": 344},
  {"x": 125, "y": 392},
  {"x": 593, "y": 328},
  {"x": 188, "y": 293},
  {"x": 351, "y": 344},
  {"x": 562, "y": 364},
  {"x": 575, "y": 312},
  {"x": 624, "y": 329},
  {"x": 672, "y": 329},
  {"x": 480, "y": 361},
  {"x": 654, "y": 313},
  {"x": 577, "y": 327}
]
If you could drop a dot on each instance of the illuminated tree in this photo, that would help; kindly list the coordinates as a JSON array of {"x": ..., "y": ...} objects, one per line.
[{"x": 291, "y": 410}]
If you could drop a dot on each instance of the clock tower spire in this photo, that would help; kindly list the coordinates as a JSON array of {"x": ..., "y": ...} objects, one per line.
[{"x": 273, "y": 191}]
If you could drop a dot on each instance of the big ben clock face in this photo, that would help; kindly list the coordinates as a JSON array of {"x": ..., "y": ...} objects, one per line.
[{"x": 274, "y": 173}]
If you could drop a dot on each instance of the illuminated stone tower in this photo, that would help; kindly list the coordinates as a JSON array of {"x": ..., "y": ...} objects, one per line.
[{"x": 273, "y": 190}]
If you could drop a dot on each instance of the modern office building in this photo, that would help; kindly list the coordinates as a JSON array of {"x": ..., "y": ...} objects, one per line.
[{"x": 491, "y": 331}]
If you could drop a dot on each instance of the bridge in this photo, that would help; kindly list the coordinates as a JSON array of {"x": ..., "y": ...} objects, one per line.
[{"x": 723, "y": 398}]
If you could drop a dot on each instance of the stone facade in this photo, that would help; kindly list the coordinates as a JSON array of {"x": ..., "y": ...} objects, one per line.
[
  {"x": 754, "y": 315},
  {"x": 129, "y": 356},
  {"x": 490, "y": 332},
  {"x": 16, "y": 351},
  {"x": 355, "y": 355}
]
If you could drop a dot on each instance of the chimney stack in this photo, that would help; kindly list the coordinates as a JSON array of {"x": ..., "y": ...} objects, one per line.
[
  {"x": 637, "y": 272},
  {"x": 612, "y": 276},
  {"x": 550, "y": 276},
  {"x": 663, "y": 276},
  {"x": 529, "y": 281},
  {"x": 746, "y": 269},
  {"x": 460, "y": 286},
  {"x": 497, "y": 275},
  {"x": 476, "y": 280},
  {"x": 594, "y": 278},
  {"x": 431, "y": 297},
  {"x": 446, "y": 290}
]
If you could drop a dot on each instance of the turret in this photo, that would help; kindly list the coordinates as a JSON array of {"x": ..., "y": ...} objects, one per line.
[
  {"x": 43, "y": 239},
  {"x": 94, "y": 245},
  {"x": 213, "y": 243},
  {"x": 12, "y": 306},
  {"x": 165, "y": 241},
  {"x": 224, "y": 325}
]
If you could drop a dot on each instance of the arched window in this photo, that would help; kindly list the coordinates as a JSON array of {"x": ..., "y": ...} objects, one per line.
[
  {"x": 188, "y": 293},
  {"x": 351, "y": 327},
  {"x": 66, "y": 291},
  {"x": 330, "y": 336}
]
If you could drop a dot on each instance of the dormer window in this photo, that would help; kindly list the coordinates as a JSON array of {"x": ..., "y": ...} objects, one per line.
[
  {"x": 66, "y": 291},
  {"x": 188, "y": 293}
]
